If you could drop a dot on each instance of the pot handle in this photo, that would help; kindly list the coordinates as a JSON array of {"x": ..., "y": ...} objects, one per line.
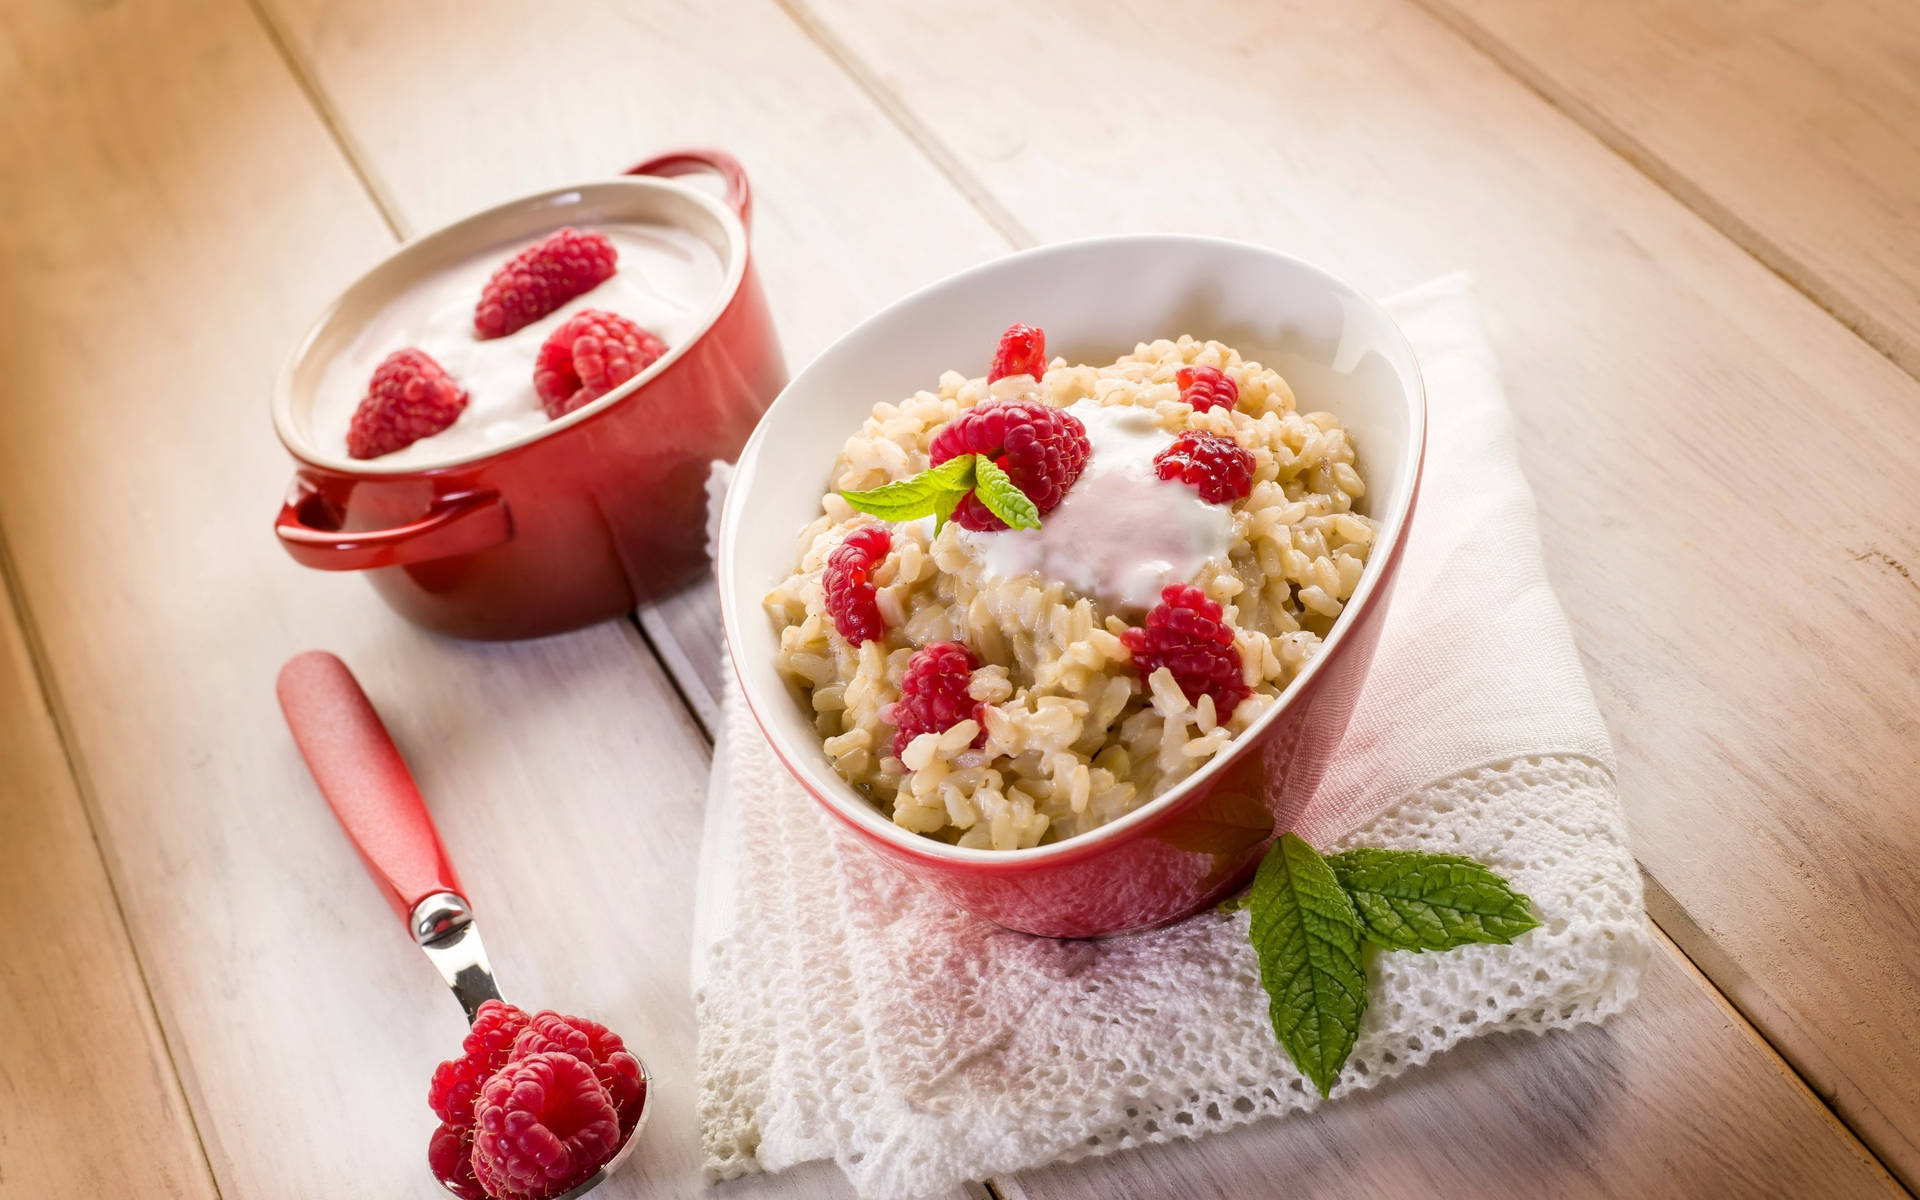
[
  {"x": 457, "y": 524},
  {"x": 691, "y": 160}
]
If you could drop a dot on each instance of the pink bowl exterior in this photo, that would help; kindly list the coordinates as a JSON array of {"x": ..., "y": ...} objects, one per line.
[
  {"x": 604, "y": 513},
  {"x": 1202, "y": 848}
]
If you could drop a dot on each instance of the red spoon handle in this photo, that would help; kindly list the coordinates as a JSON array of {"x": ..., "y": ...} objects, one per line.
[{"x": 364, "y": 779}]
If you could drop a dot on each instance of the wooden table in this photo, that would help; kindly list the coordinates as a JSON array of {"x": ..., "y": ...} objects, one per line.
[{"x": 1697, "y": 234}]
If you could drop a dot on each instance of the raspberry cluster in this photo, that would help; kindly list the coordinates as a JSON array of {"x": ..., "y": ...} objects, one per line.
[
  {"x": 533, "y": 1105},
  {"x": 411, "y": 396}
]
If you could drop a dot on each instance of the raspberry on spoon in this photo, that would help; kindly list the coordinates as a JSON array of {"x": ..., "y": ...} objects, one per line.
[
  {"x": 450, "y": 1158},
  {"x": 541, "y": 1125},
  {"x": 486, "y": 1048},
  {"x": 597, "y": 1046}
]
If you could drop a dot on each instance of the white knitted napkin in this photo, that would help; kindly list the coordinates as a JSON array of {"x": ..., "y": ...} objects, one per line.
[{"x": 846, "y": 1014}]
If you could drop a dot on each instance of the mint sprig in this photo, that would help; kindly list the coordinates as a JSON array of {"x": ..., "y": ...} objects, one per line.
[
  {"x": 1311, "y": 917},
  {"x": 1002, "y": 496},
  {"x": 937, "y": 491},
  {"x": 1411, "y": 900},
  {"x": 932, "y": 493},
  {"x": 1307, "y": 936}
]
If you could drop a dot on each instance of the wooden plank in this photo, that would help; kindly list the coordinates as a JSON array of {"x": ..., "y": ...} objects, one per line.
[
  {"x": 1595, "y": 1113},
  {"x": 1724, "y": 472},
  {"x": 176, "y": 213},
  {"x": 88, "y": 1096},
  {"x": 1794, "y": 128}
]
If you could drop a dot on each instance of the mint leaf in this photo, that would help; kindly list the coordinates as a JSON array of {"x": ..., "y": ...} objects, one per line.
[
  {"x": 1412, "y": 900},
  {"x": 1002, "y": 496},
  {"x": 1308, "y": 937},
  {"x": 934, "y": 493}
]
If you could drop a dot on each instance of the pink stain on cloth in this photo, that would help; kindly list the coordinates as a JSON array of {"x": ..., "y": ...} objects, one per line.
[{"x": 846, "y": 1015}]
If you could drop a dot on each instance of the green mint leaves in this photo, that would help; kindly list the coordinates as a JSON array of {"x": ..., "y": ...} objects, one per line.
[
  {"x": 1312, "y": 917},
  {"x": 1307, "y": 936},
  {"x": 1414, "y": 901},
  {"x": 1002, "y": 496},
  {"x": 933, "y": 492},
  {"x": 936, "y": 491}
]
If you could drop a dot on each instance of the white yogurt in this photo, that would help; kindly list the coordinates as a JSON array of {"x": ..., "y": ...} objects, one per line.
[
  {"x": 665, "y": 280},
  {"x": 1121, "y": 534}
]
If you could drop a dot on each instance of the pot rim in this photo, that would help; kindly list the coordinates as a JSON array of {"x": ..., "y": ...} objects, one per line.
[
  {"x": 462, "y": 230},
  {"x": 861, "y": 814}
]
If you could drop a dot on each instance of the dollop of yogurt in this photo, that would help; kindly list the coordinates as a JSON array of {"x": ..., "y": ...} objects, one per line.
[
  {"x": 665, "y": 279},
  {"x": 1121, "y": 534}
]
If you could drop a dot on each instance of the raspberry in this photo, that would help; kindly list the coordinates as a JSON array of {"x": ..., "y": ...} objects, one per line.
[
  {"x": 933, "y": 695},
  {"x": 594, "y": 352},
  {"x": 850, "y": 590},
  {"x": 410, "y": 397},
  {"x": 542, "y": 1124},
  {"x": 486, "y": 1048},
  {"x": 1207, "y": 387},
  {"x": 1186, "y": 634},
  {"x": 541, "y": 278},
  {"x": 1022, "y": 351},
  {"x": 1218, "y": 467},
  {"x": 1042, "y": 449},
  {"x": 450, "y": 1157},
  {"x": 594, "y": 1044}
]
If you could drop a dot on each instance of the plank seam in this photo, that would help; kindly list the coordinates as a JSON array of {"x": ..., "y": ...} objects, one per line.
[
  {"x": 672, "y": 665},
  {"x": 1790, "y": 268},
  {"x": 336, "y": 127},
  {"x": 936, "y": 151},
  {"x": 50, "y": 697},
  {"x": 1677, "y": 929}
]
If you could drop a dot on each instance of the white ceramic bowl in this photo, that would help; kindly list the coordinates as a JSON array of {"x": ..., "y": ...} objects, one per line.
[{"x": 1096, "y": 299}]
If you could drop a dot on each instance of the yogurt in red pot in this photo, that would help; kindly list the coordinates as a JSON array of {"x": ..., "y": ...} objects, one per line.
[{"x": 510, "y": 523}]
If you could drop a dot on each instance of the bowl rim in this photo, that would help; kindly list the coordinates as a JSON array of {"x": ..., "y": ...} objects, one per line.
[
  {"x": 463, "y": 231},
  {"x": 859, "y": 812}
]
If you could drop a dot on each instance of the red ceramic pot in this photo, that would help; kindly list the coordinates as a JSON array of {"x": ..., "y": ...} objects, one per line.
[
  {"x": 1199, "y": 841},
  {"x": 582, "y": 518}
]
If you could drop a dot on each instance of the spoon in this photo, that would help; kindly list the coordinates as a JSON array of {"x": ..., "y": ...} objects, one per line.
[{"x": 373, "y": 795}]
